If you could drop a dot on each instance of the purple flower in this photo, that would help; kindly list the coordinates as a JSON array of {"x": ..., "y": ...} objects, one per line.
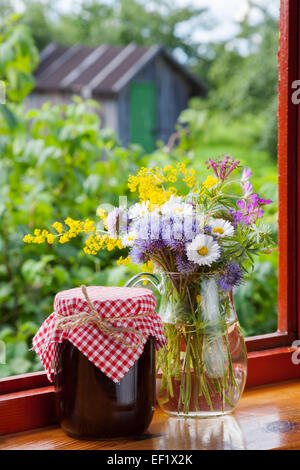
[
  {"x": 253, "y": 198},
  {"x": 117, "y": 221},
  {"x": 184, "y": 265},
  {"x": 262, "y": 202},
  {"x": 148, "y": 239},
  {"x": 250, "y": 207},
  {"x": 207, "y": 229},
  {"x": 237, "y": 217},
  {"x": 112, "y": 220},
  {"x": 248, "y": 214},
  {"x": 137, "y": 255},
  {"x": 241, "y": 204},
  {"x": 247, "y": 189},
  {"x": 231, "y": 276},
  {"x": 223, "y": 168},
  {"x": 247, "y": 173},
  {"x": 155, "y": 233},
  {"x": 172, "y": 231}
]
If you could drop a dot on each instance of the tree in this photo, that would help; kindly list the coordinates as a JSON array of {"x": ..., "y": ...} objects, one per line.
[
  {"x": 18, "y": 59},
  {"x": 57, "y": 162},
  {"x": 243, "y": 75},
  {"x": 118, "y": 23}
]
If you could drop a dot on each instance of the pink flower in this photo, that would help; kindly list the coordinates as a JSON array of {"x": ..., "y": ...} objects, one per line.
[
  {"x": 247, "y": 173},
  {"x": 223, "y": 168},
  {"x": 262, "y": 202}
]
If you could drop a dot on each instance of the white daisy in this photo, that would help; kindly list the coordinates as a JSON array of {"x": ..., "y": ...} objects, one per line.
[
  {"x": 128, "y": 239},
  {"x": 139, "y": 210},
  {"x": 221, "y": 228},
  {"x": 176, "y": 207},
  {"x": 203, "y": 250}
]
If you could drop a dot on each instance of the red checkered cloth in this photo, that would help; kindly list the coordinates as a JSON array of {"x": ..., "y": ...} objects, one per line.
[{"x": 109, "y": 354}]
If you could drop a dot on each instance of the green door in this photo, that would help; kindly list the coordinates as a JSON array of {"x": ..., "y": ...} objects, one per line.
[{"x": 142, "y": 122}]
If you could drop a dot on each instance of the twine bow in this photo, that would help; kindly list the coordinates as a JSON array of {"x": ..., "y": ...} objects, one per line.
[{"x": 92, "y": 317}]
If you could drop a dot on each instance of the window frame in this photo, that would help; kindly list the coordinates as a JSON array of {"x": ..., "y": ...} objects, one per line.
[
  {"x": 27, "y": 401},
  {"x": 288, "y": 151}
]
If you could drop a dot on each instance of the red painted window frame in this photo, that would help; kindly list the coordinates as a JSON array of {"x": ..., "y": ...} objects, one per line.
[
  {"x": 27, "y": 401},
  {"x": 270, "y": 356}
]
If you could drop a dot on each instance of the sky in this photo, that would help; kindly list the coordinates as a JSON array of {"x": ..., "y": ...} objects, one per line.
[{"x": 227, "y": 13}]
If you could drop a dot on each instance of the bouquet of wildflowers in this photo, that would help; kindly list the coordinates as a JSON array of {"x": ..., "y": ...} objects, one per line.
[
  {"x": 204, "y": 229},
  {"x": 190, "y": 230}
]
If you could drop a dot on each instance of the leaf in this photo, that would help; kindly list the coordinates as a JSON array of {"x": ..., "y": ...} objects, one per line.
[
  {"x": 5, "y": 370},
  {"x": 20, "y": 365},
  {"x": 5, "y": 292},
  {"x": 116, "y": 276},
  {"x": 61, "y": 274},
  {"x": 6, "y": 333},
  {"x": 2, "y": 353},
  {"x": 9, "y": 116},
  {"x": 92, "y": 183},
  {"x": 21, "y": 349},
  {"x": 31, "y": 269}
]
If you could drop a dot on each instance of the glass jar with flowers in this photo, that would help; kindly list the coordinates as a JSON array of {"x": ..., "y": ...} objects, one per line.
[{"x": 199, "y": 239}]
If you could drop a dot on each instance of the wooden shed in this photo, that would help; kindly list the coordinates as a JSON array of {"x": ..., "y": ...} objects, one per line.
[{"x": 141, "y": 90}]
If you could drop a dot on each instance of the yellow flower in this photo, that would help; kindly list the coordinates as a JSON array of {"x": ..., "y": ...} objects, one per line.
[
  {"x": 38, "y": 238},
  {"x": 149, "y": 184},
  {"x": 64, "y": 238},
  {"x": 210, "y": 182},
  {"x": 148, "y": 266},
  {"x": 50, "y": 238},
  {"x": 28, "y": 238},
  {"x": 189, "y": 178},
  {"x": 102, "y": 214},
  {"x": 93, "y": 244},
  {"x": 75, "y": 227},
  {"x": 89, "y": 226},
  {"x": 123, "y": 261},
  {"x": 198, "y": 299},
  {"x": 181, "y": 166},
  {"x": 58, "y": 227},
  {"x": 119, "y": 243}
]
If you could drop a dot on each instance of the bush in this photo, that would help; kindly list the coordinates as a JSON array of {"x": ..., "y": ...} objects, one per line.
[{"x": 57, "y": 162}]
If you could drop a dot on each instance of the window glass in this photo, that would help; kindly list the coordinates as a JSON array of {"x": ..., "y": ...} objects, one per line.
[{"x": 58, "y": 161}]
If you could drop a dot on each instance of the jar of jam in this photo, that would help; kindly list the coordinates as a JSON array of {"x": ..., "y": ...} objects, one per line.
[
  {"x": 91, "y": 406},
  {"x": 101, "y": 343}
]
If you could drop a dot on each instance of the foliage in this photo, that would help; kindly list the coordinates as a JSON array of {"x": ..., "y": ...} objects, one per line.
[
  {"x": 231, "y": 69},
  {"x": 57, "y": 162},
  {"x": 95, "y": 22},
  {"x": 205, "y": 134},
  {"x": 163, "y": 226},
  {"x": 243, "y": 76},
  {"x": 255, "y": 300},
  {"x": 18, "y": 58}
]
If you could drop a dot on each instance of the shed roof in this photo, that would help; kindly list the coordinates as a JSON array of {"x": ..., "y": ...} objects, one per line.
[{"x": 100, "y": 70}]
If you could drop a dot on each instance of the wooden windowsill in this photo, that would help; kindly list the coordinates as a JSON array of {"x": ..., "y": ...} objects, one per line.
[{"x": 266, "y": 418}]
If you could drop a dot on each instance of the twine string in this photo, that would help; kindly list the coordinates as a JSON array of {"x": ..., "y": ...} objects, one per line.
[{"x": 92, "y": 317}]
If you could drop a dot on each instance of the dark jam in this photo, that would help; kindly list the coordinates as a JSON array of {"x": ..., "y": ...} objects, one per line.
[{"x": 91, "y": 406}]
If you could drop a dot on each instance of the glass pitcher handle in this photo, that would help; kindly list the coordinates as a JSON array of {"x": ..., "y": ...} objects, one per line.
[{"x": 138, "y": 278}]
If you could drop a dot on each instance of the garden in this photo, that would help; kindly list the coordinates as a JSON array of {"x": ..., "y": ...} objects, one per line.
[{"x": 57, "y": 162}]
